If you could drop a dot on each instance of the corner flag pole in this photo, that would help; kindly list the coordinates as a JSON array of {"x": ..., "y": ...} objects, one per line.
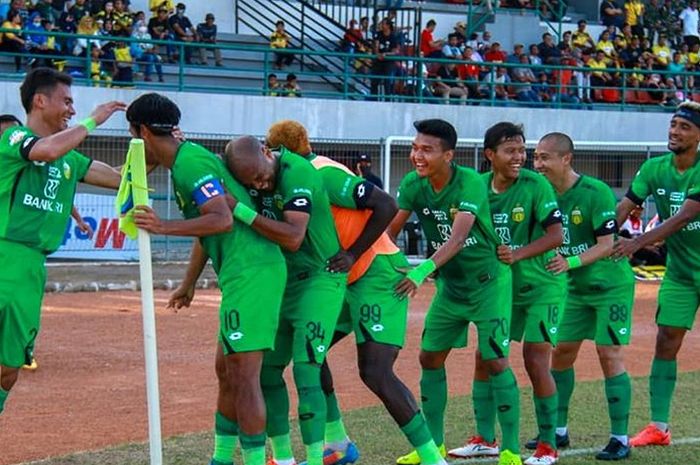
[{"x": 140, "y": 195}]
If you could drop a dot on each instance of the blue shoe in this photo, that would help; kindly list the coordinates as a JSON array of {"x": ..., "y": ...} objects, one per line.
[{"x": 336, "y": 457}]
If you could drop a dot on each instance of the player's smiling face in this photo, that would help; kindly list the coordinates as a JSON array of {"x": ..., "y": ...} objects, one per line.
[
  {"x": 549, "y": 162},
  {"x": 683, "y": 135},
  {"x": 57, "y": 107},
  {"x": 508, "y": 158},
  {"x": 428, "y": 155}
]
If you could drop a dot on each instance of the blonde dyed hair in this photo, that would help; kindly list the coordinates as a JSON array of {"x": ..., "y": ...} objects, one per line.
[{"x": 290, "y": 134}]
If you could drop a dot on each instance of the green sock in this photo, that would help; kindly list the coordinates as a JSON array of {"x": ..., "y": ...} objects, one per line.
[
  {"x": 565, "y": 388},
  {"x": 282, "y": 447},
  {"x": 3, "y": 398},
  {"x": 546, "y": 411},
  {"x": 433, "y": 391},
  {"x": 507, "y": 398},
  {"x": 276, "y": 401},
  {"x": 484, "y": 410},
  {"x": 618, "y": 391},
  {"x": 225, "y": 432},
  {"x": 253, "y": 448},
  {"x": 335, "y": 429},
  {"x": 314, "y": 453},
  {"x": 662, "y": 382},
  {"x": 418, "y": 435},
  {"x": 312, "y": 403}
]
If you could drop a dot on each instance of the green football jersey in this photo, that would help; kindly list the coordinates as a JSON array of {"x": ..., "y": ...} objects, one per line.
[
  {"x": 299, "y": 187},
  {"x": 588, "y": 212},
  {"x": 198, "y": 176},
  {"x": 520, "y": 216},
  {"x": 465, "y": 192},
  {"x": 659, "y": 178},
  {"x": 36, "y": 197},
  {"x": 343, "y": 187}
]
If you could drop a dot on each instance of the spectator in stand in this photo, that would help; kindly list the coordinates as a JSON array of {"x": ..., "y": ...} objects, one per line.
[
  {"x": 495, "y": 54},
  {"x": 652, "y": 19},
  {"x": 606, "y": 45},
  {"x": 500, "y": 84},
  {"x": 107, "y": 15},
  {"x": 159, "y": 29},
  {"x": 689, "y": 17},
  {"x": 623, "y": 39},
  {"x": 469, "y": 73},
  {"x": 385, "y": 44},
  {"x": 79, "y": 9},
  {"x": 474, "y": 41},
  {"x": 694, "y": 57},
  {"x": 107, "y": 44},
  {"x": 362, "y": 166},
  {"x": 549, "y": 52},
  {"x": 676, "y": 69},
  {"x": 670, "y": 23},
  {"x": 364, "y": 27},
  {"x": 662, "y": 53},
  {"x": 534, "y": 56},
  {"x": 451, "y": 49},
  {"x": 206, "y": 32},
  {"x": 634, "y": 14},
  {"x": 155, "y": 5},
  {"x": 69, "y": 25},
  {"x": 633, "y": 53},
  {"x": 44, "y": 9},
  {"x": 273, "y": 88},
  {"x": 122, "y": 19},
  {"x": 448, "y": 85},
  {"x": 97, "y": 73},
  {"x": 565, "y": 42},
  {"x": 514, "y": 58},
  {"x": 485, "y": 44},
  {"x": 523, "y": 77},
  {"x": 352, "y": 36},
  {"x": 600, "y": 78},
  {"x": 460, "y": 30},
  {"x": 542, "y": 88},
  {"x": 291, "y": 87},
  {"x": 125, "y": 65},
  {"x": 430, "y": 47},
  {"x": 145, "y": 53},
  {"x": 279, "y": 40},
  {"x": 581, "y": 39},
  {"x": 88, "y": 27},
  {"x": 13, "y": 42},
  {"x": 611, "y": 13},
  {"x": 20, "y": 6},
  {"x": 183, "y": 30}
]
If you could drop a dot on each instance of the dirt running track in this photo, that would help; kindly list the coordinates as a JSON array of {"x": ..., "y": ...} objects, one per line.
[{"x": 89, "y": 391}]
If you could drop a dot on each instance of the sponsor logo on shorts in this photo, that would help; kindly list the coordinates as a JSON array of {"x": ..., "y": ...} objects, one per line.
[
  {"x": 321, "y": 349},
  {"x": 623, "y": 331},
  {"x": 506, "y": 342},
  {"x": 553, "y": 330},
  {"x": 660, "y": 191},
  {"x": 236, "y": 336},
  {"x": 377, "y": 328}
]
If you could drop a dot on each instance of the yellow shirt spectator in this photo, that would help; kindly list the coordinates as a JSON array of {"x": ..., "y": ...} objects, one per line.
[
  {"x": 278, "y": 40},
  {"x": 581, "y": 39},
  {"x": 607, "y": 47},
  {"x": 633, "y": 11},
  {"x": 662, "y": 53},
  {"x": 693, "y": 58},
  {"x": 153, "y": 5},
  {"x": 595, "y": 64},
  {"x": 9, "y": 35}
]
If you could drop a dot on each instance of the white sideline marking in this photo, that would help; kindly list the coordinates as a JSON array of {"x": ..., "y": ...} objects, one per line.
[{"x": 567, "y": 452}]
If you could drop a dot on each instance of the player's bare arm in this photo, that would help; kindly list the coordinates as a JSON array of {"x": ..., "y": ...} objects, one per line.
[
  {"x": 183, "y": 295},
  {"x": 552, "y": 239},
  {"x": 215, "y": 218},
  {"x": 623, "y": 209},
  {"x": 602, "y": 249},
  {"x": 398, "y": 223},
  {"x": 288, "y": 233},
  {"x": 55, "y": 146}
]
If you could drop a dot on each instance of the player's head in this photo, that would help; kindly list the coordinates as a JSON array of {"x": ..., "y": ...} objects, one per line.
[
  {"x": 46, "y": 93},
  {"x": 433, "y": 147},
  {"x": 553, "y": 155},
  {"x": 251, "y": 163},
  {"x": 504, "y": 147},
  {"x": 152, "y": 117},
  {"x": 8, "y": 121},
  {"x": 290, "y": 134},
  {"x": 684, "y": 131}
]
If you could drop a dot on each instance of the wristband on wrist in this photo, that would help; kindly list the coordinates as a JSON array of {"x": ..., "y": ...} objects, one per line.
[
  {"x": 244, "y": 213},
  {"x": 574, "y": 261},
  {"x": 419, "y": 273},
  {"x": 88, "y": 123}
]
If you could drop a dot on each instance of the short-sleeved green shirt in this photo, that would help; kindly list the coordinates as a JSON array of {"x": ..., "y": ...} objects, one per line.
[
  {"x": 299, "y": 187},
  {"x": 344, "y": 189},
  {"x": 198, "y": 176},
  {"x": 465, "y": 192},
  {"x": 520, "y": 216},
  {"x": 36, "y": 197},
  {"x": 588, "y": 211},
  {"x": 659, "y": 178}
]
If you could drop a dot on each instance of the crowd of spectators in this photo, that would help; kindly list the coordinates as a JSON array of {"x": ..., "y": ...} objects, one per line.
[{"x": 113, "y": 61}]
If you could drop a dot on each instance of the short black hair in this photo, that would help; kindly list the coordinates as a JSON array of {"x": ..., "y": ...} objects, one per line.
[
  {"x": 279, "y": 22},
  {"x": 431, "y": 22},
  {"x": 271, "y": 75},
  {"x": 41, "y": 80},
  {"x": 438, "y": 128},
  {"x": 501, "y": 132},
  {"x": 7, "y": 118},
  {"x": 160, "y": 114},
  {"x": 562, "y": 142}
]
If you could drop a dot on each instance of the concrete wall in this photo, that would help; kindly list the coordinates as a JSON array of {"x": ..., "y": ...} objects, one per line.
[{"x": 336, "y": 119}]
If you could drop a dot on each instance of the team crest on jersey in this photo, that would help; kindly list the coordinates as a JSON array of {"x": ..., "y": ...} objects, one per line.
[
  {"x": 518, "y": 214},
  {"x": 17, "y": 136},
  {"x": 453, "y": 212},
  {"x": 576, "y": 216},
  {"x": 66, "y": 170}
]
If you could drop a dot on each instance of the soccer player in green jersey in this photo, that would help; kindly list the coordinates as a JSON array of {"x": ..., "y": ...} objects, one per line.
[
  {"x": 250, "y": 270},
  {"x": 377, "y": 316},
  {"x": 290, "y": 189},
  {"x": 472, "y": 284},
  {"x": 39, "y": 172},
  {"x": 674, "y": 182},
  {"x": 601, "y": 290},
  {"x": 528, "y": 222}
]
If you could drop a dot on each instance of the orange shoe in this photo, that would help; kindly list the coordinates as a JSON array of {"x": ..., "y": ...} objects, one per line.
[{"x": 651, "y": 436}]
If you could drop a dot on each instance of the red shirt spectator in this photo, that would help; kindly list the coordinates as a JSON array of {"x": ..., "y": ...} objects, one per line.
[
  {"x": 468, "y": 71},
  {"x": 430, "y": 47},
  {"x": 495, "y": 54}
]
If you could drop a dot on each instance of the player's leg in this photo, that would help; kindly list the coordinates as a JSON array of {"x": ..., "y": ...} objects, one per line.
[
  {"x": 226, "y": 418},
  {"x": 678, "y": 305}
]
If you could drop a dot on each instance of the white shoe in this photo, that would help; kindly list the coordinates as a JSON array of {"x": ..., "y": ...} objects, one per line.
[
  {"x": 544, "y": 455},
  {"x": 475, "y": 447}
]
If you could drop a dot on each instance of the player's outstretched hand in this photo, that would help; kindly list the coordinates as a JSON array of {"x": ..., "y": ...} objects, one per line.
[
  {"x": 624, "y": 248},
  {"x": 505, "y": 254},
  {"x": 85, "y": 228},
  {"x": 557, "y": 265},
  {"x": 182, "y": 297},
  {"x": 340, "y": 262},
  {"x": 103, "y": 112},
  {"x": 147, "y": 219},
  {"x": 406, "y": 288}
]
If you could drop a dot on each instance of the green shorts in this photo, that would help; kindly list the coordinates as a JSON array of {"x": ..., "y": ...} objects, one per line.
[
  {"x": 21, "y": 292},
  {"x": 376, "y": 313},
  {"x": 250, "y": 308},
  {"x": 678, "y": 304},
  {"x": 604, "y": 317},
  {"x": 536, "y": 315},
  {"x": 310, "y": 310},
  {"x": 488, "y": 307}
]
